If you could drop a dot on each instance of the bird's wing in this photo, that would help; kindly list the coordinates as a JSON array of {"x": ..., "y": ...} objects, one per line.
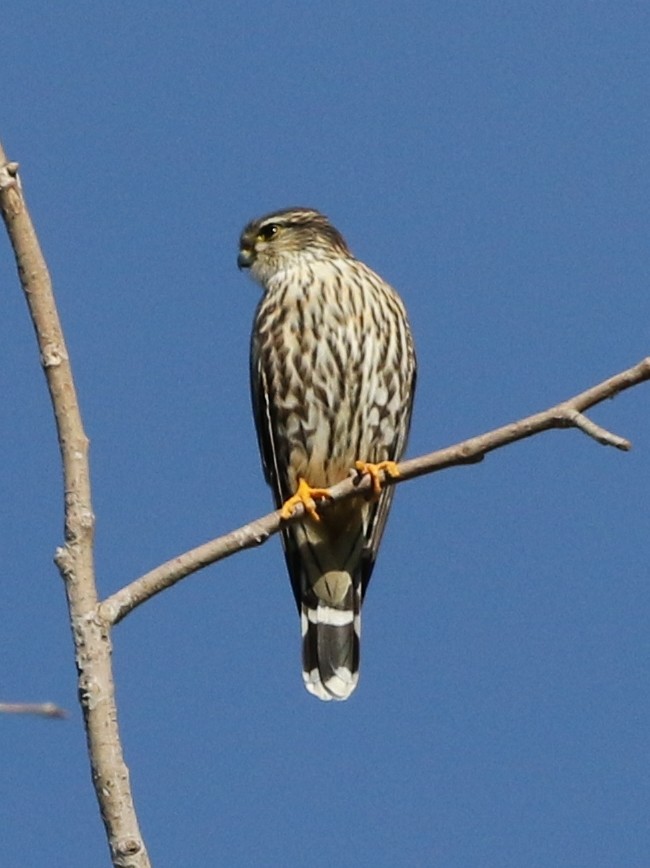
[
  {"x": 264, "y": 427},
  {"x": 275, "y": 471},
  {"x": 378, "y": 513}
]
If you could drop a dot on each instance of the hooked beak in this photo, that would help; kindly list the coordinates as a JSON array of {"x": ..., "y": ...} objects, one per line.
[{"x": 245, "y": 259}]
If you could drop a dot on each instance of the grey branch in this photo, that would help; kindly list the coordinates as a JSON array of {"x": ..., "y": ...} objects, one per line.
[
  {"x": 90, "y": 635},
  {"x": 568, "y": 414},
  {"x": 40, "y": 709}
]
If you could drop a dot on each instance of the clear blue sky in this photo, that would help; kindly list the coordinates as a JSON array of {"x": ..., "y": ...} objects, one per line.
[{"x": 491, "y": 161}]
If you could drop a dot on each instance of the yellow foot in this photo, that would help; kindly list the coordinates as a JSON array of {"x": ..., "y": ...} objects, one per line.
[
  {"x": 307, "y": 496},
  {"x": 375, "y": 471}
]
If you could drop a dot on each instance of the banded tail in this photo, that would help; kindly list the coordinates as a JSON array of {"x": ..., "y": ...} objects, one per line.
[{"x": 329, "y": 598}]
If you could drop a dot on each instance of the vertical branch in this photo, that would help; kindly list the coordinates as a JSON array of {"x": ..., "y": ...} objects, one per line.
[{"x": 91, "y": 634}]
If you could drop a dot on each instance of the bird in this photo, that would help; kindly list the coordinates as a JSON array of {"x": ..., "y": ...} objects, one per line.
[{"x": 333, "y": 370}]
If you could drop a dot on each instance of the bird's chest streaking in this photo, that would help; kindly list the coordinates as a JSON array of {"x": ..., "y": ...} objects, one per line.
[
  {"x": 329, "y": 355},
  {"x": 332, "y": 377}
]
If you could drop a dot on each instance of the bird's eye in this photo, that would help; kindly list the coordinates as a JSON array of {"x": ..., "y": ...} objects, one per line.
[{"x": 267, "y": 232}]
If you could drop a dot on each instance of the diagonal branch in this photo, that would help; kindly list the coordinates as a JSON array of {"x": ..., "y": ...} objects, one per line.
[
  {"x": 568, "y": 414},
  {"x": 75, "y": 558}
]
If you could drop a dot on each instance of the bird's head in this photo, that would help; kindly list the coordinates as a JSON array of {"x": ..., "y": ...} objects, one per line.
[{"x": 277, "y": 241}]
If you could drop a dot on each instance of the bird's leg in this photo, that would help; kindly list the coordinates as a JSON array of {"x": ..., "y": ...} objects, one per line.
[
  {"x": 307, "y": 496},
  {"x": 376, "y": 471}
]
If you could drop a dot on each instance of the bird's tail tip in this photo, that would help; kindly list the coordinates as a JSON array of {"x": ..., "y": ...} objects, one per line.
[
  {"x": 339, "y": 685},
  {"x": 330, "y": 651}
]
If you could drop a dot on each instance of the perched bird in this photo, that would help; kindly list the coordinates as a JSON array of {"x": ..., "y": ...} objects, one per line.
[{"x": 332, "y": 379}]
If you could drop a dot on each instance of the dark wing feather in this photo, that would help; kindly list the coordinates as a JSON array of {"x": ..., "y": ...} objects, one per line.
[
  {"x": 274, "y": 473},
  {"x": 379, "y": 513},
  {"x": 264, "y": 428}
]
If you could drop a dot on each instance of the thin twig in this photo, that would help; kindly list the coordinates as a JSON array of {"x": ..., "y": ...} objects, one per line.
[
  {"x": 41, "y": 709},
  {"x": 75, "y": 559},
  {"x": 568, "y": 414}
]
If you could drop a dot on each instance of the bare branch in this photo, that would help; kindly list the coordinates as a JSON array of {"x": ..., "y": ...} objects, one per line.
[
  {"x": 41, "y": 709},
  {"x": 75, "y": 560},
  {"x": 600, "y": 434},
  {"x": 568, "y": 414}
]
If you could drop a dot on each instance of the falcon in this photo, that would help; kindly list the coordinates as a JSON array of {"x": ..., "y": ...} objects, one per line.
[{"x": 332, "y": 382}]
